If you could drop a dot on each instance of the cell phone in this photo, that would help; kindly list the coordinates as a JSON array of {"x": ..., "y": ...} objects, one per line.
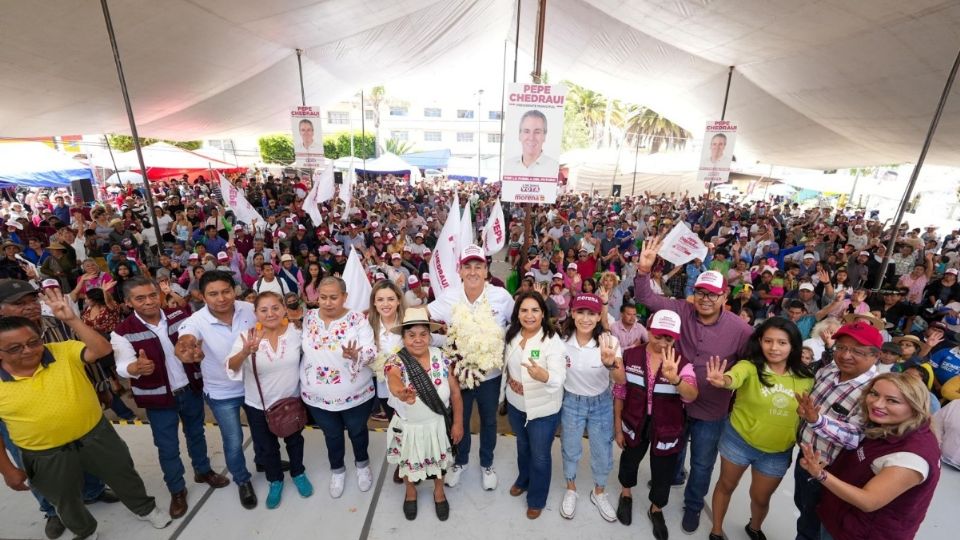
[{"x": 840, "y": 409}]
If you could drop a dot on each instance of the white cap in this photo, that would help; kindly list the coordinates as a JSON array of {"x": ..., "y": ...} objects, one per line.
[
  {"x": 413, "y": 282},
  {"x": 222, "y": 256},
  {"x": 710, "y": 280},
  {"x": 951, "y": 271},
  {"x": 806, "y": 287},
  {"x": 665, "y": 322},
  {"x": 572, "y": 266},
  {"x": 558, "y": 275},
  {"x": 472, "y": 253},
  {"x": 286, "y": 257}
]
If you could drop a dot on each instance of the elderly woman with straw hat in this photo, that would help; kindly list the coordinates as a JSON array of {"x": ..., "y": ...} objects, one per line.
[{"x": 425, "y": 395}]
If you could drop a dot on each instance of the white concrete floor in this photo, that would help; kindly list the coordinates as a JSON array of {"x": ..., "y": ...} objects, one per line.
[{"x": 217, "y": 514}]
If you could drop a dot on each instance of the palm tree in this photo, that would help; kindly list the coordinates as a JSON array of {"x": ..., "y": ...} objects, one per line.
[
  {"x": 654, "y": 130},
  {"x": 591, "y": 106},
  {"x": 398, "y": 147},
  {"x": 375, "y": 98}
]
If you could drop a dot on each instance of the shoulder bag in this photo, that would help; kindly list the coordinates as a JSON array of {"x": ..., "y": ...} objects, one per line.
[{"x": 285, "y": 417}]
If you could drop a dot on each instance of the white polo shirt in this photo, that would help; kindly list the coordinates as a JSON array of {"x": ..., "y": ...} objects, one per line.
[
  {"x": 218, "y": 339},
  {"x": 586, "y": 374}
]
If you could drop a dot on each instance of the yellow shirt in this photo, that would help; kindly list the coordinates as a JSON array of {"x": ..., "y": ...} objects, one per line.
[{"x": 54, "y": 406}]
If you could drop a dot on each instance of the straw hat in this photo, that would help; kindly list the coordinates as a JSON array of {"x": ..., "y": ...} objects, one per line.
[
  {"x": 876, "y": 322},
  {"x": 415, "y": 316}
]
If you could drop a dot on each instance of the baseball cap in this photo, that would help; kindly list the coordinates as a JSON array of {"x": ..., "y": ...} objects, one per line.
[
  {"x": 890, "y": 347},
  {"x": 396, "y": 256},
  {"x": 324, "y": 249},
  {"x": 472, "y": 252},
  {"x": 427, "y": 251},
  {"x": 194, "y": 257},
  {"x": 288, "y": 220},
  {"x": 808, "y": 256},
  {"x": 413, "y": 282},
  {"x": 951, "y": 271},
  {"x": 590, "y": 302},
  {"x": 425, "y": 277},
  {"x": 12, "y": 290},
  {"x": 376, "y": 234},
  {"x": 301, "y": 228},
  {"x": 710, "y": 280},
  {"x": 806, "y": 287},
  {"x": 862, "y": 332},
  {"x": 286, "y": 257},
  {"x": 558, "y": 275},
  {"x": 222, "y": 256},
  {"x": 864, "y": 254},
  {"x": 375, "y": 224},
  {"x": 665, "y": 323},
  {"x": 572, "y": 266}
]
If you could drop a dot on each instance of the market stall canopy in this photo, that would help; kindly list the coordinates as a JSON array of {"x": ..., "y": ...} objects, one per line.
[
  {"x": 431, "y": 159},
  {"x": 389, "y": 164},
  {"x": 34, "y": 164},
  {"x": 165, "y": 160},
  {"x": 601, "y": 170},
  {"x": 817, "y": 84},
  {"x": 466, "y": 170}
]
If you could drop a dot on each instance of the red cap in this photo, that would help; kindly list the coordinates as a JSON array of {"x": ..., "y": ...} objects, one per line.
[
  {"x": 587, "y": 301},
  {"x": 472, "y": 253},
  {"x": 665, "y": 323},
  {"x": 710, "y": 280},
  {"x": 862, "y": 332}
]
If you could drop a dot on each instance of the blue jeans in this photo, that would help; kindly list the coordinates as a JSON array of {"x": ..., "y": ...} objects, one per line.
[
  {"x": 227, "y": 413},
  {"x": 534, "y": 463},
  {"x": 806, "y": 496},
  {"x": 268, "y": 446},
  {"x": 704, "y": 445},
  {"x": 164, "y": 423},
  {"x": 333, "y": 423},
  {"x": 487, "y": 396},
  {"x": 595, "y": 413},
  {"x": 92, "y": 486},
  {"x": 121, "y": 409},
  {"x": 824, "y": 534}
]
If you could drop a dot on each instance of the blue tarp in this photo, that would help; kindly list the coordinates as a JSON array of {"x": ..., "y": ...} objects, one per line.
[
  {"x": 33, "y": 164},
  {"x": 434, "y": 159}
]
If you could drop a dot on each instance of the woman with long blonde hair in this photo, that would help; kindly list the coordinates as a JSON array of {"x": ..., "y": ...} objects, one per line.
[{"x": 386, "y": 311}]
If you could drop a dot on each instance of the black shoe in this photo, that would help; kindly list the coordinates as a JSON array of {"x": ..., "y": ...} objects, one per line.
[
  {"x": 443, "y": 509},
  {"x": 54, "y": 527},
  {"x": 659, "y": 525},
  {"x": 716, "y": 537},
  {"x": 691, "y": 521},
  {"x": 754, "y": 535},
  {"x": 410, "y": 510},
  {"x": 105, "y": 496},
  {"x": 680, "y": 481},
  {"x": 625, "y": 510},
  {"x": 284, "y": 466},
  {"x": 248, "y": 498}
]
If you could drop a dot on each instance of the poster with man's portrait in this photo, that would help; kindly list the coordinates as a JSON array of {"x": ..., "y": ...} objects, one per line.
[
  {"x": 717, "y": 152},
  {"x": 307, "y": 137},
  {"x": 533, "y": 129}
]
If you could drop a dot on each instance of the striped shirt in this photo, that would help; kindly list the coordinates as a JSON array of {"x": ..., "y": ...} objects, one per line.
[{"x": 840, "y": 425}]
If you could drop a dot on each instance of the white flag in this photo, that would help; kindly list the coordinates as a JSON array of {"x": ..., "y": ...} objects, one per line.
[
  {"x": 321, "y": 191},
  {"x": 681, "y": 245},
  {"x": 237, "y": 202},
  {"x": 346, "y": 189},
  {"x": 465, "y": 237},
  {"x": 443, "y": 264},
  {"x": 495, "y": 231},
  {"x": 358, "y": 286}
]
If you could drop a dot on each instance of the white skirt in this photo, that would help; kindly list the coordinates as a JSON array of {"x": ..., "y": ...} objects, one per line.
[{"x": 419, "y": 443}]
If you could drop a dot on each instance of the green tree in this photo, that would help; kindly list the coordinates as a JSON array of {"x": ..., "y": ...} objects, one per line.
[
  {"x": 277, "y": 148},
  {"x": 399, "y": 148},
  {"x": 124, "y": 143},
  {"x": 654, "y": 131},
  {"x": 590, "y": 106},
  {"x": 375, "y": 99},
  {"x": 337, "y": 145},
  {"x": 576, "y": 134}
]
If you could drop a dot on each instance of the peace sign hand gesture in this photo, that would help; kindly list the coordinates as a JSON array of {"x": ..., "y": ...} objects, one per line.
[
  {"x": 669, "y": 367},
  {"x": 536, "y": 372},
  {"x": 251, "y": 342},
  {"x": 812, "y": 461},
  {"x": 648, "y": 255},
  {"x": 715, "y": 370},
  {"x": 608, "y": 349},
  {"x": 806, "y": 408}
]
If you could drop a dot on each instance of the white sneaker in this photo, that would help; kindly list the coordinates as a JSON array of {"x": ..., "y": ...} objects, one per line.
[
  {"x": 157, "y": 517},
  {"x": 336, "y": 484},
  {"x": 364, "y": 478},
  {"x": 569, "y": 505},
  {"x": 603, "y": 505},
  {"x": 452, "y": 477},
  {"x": 489, "y": 479}
]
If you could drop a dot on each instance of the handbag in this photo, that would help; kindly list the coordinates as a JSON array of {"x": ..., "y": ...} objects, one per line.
[
  {"x": 285, "y": 417},
  {"x": 428, "y": 392}
]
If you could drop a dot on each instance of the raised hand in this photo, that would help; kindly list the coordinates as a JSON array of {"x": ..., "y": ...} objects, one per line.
[
  {"x": 935, "y": 337},
  {"x": 669, "y": 367},
  {"x": 806, "y": 408},
  {"x": 608, "y": 349},
  {"x": 351, "y": 350},
  {"x": 251, "y": 342},
  {"x": 827, "y": 337},
  {"x": 811, "y": 461},
  {"x": 58, "y": 304},
  {"x": 106, "y": 287},
  {"x": 145, "y": 366},
  {"x": 648, "y": 255},
  {"x": 715, "y": 372},
  {"x": 604, "y": 294},
  {"x": 536, "y": 372},
  {"x": 189, "y": 349}
]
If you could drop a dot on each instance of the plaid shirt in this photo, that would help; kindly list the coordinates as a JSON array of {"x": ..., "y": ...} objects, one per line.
[{"x": 840, "y": 424}]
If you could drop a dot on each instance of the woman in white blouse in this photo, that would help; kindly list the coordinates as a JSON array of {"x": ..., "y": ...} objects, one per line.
[
  {"x": 336, "y": 382},
  {"x": 595, "y": 360},
  {"x": 274, "y": 345},
  {"x": 536, "y": 366},
  {"x": 385, "y": 312}
]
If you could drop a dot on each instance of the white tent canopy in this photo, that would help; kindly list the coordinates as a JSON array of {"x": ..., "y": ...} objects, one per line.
[
  {"x": 466, "y": 168},
  {"x": 161, "y": 155},
  {"x": 600, "y": 170},
  {"x": 818, "y": 83},
  {"x": 389, "y": 163}
]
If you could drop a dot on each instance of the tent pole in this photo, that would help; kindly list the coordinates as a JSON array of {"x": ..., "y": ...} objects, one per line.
[
  {"x": 916, "y": 170},
  {"x": 516, "y": 42},
  {"x": 723, "y": 114},
  {"x": 536, "y": 75},
  {"x": 110, "y": 149},
  {"x": 303, "y": 95},
  {"x": 503, "y": 97},
  {"x": 363, "y": 131},
  {"x": 148, "y": 191},
  {"x": 636, "y": 155},
  {"x": 479, "y": 105}
]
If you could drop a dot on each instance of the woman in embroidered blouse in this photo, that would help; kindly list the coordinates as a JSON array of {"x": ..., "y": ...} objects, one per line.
[
  {"x": 536, "y": 366},
  {"x": 274, "y": 345},
  {"x": 418, "y": 441},
  {"x": 336, "y": 382},
  {"x": 595, "y": 359}
]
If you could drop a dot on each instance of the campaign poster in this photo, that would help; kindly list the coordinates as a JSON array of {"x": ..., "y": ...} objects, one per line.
[
  {"x": 307, "y": 136},
  {"x": 681, "y": 245},
  {"x": 717, "y": 154},
  {"x": 533, "y": 129}
]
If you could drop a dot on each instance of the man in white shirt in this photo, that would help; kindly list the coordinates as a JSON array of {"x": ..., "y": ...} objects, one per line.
[
  {"x": 268, "y": 281},
  {"x": 160, "y": 383},
  {"x": 473, "y": 275},
  {"x": 206, "y": 338},
  {"x": 533, "y": 162}
]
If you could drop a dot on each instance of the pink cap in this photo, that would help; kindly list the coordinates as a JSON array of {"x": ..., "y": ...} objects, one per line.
[
  {"x": 710, "y": 280},
  {"x": 587, "y": 301},
  {"x": 572, "y": 266},
  {"x": 194, "y": 257},
  {"x": 951, "y": 271},
  {"x": 665, "y": 323}
]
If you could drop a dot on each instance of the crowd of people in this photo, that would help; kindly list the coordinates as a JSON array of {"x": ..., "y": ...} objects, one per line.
[{"x": 789, "y": 339}]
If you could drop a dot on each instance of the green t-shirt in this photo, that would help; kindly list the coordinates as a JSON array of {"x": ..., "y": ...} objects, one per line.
[{"x": 766, "y": 417}]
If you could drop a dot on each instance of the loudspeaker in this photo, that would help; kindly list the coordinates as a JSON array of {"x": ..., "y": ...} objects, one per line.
[
  {"x": 83, "y": 189},
  {"x": 337, "y": 177}
]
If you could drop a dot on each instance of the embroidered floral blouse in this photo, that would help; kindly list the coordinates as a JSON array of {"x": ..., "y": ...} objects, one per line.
[{"x": 328, "y": 380}]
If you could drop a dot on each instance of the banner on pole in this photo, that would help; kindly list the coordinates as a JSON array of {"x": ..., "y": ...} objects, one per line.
[
  {"x": 238, "y": 202},
  {"x": 443, "y": 264},
  {"x": 681, "y": 245},
  {"x": 307, "y": 135},
  {"x": 533, "y": 129},
  {"x": 717, "y": 154},
  {"x": 495, "y": 231}
]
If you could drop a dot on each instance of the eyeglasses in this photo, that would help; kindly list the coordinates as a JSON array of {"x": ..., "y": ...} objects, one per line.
[
  {"x": 700, "y": 294},
  {"x": 860, "y": 354},
  {"x": 20, "y": 349}
]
